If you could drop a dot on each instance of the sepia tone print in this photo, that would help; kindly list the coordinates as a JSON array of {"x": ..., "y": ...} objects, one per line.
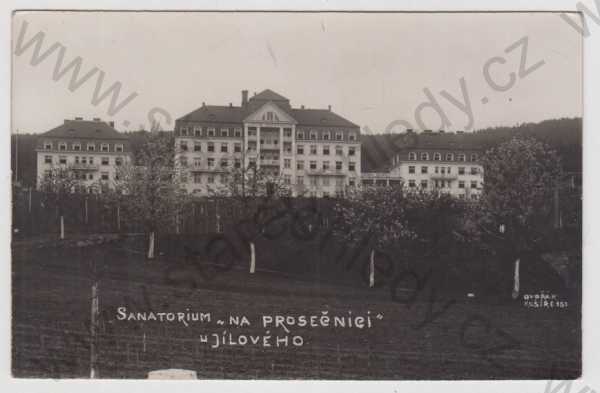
[{"x": 363, "y": 196}]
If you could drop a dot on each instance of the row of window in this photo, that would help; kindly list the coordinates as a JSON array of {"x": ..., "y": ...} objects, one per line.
[
  {"x": 424, "y": 156},
  {"x": 224, "y": 147},
  {"x": 83, "y": 160},
  {"x": 441, "y": 183},
  {"x": 210, "y": 147},
  {"x": 104, "y": 147},
  {"x": 210, "y": 162},
  {"x": 325, "y": 181},
  {"x": 287, "y": 163},
  {"x": 326, "y": 150},
  {"x": 325, "y": 136},
  {"x": 199, "y": 178},
  {"x": 200, "y": 131},
  {"x": 210, "y": 131},
  {"x": 443, "y": 170},
  {"x": 104, "y": 176},
  {"x": 325, "y": 165}
]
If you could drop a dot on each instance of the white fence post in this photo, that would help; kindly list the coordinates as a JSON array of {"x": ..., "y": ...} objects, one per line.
[
  {"x": 151, "y": 246},
  {"x": 93, "y": 322},
  {"x": 62, "y": 227},
  {"x": 252, "y": 258},
  {"x": 372, "y": 269},
  {"x": 517, "y": 284}
]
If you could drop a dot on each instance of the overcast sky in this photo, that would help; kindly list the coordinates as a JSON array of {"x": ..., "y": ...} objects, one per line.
[{"x": 371, "y": 68}]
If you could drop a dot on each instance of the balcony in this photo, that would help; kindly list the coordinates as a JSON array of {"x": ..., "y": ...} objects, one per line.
[
  {"x": 443, "y": 176},
  {"x": 269, "y": 146}
]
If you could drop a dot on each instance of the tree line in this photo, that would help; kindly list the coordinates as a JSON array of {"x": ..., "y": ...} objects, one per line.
[{"x": 563, "y": 135}]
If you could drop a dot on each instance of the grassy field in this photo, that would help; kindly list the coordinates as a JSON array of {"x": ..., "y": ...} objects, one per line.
[{"x": 433, "y": 336}]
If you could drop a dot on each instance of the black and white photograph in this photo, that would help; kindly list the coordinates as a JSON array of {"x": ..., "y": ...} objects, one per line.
[{"x": 236, "y": 195}]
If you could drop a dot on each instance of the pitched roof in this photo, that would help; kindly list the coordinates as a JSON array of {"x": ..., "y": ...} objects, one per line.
[
  {"x": 268, "y": 95},
  {"x": 437, "y": 140},
  {"x": 217, "y": 114},
  {"x": 84, "y": 129},
  {"x": 237, "y": 114},
  {"x": 320, "y": 117},
  {"x": 378, "y": 150}
]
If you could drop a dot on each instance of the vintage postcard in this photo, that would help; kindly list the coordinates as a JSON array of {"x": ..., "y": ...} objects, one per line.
[{"x": 296, "y": 195}]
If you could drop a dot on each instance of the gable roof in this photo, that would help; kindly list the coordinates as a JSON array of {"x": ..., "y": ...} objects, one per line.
[
  {"x": 285, "y": 110},
  {"x": 84, "y": 129},
  {"x": 268, "y": 95}
]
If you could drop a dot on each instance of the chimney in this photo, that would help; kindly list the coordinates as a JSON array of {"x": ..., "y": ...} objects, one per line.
[
  {"x": 244, "y": 97},
  {"x": 230, "y": 104},
  {"x": 301, "y": 106},
  {"x": 203, "y": 104},
  {"x": 111, "y": 124},
  {"x": 329, "y": 107}
]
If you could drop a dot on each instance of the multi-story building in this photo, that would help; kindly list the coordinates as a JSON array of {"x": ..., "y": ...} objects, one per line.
[
  {"x": 448, "y": 162},
  {"x": 92, "y": 149},
  {"x": 314, "y": 151}
]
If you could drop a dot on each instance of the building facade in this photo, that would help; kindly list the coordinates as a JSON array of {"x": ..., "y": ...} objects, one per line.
[
  {"x": 92, "y": 149},
  {"x": 314, "y": 152},
  {"x": 446, "y": 162}
]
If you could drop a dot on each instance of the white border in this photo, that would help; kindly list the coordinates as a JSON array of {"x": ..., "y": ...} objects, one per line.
[{"x": 591, "y": 353}]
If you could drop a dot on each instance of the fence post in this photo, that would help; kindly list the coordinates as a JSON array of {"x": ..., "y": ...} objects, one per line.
[
  {"x": 372, "y": 269},
  {"x": 86, "y": 210},
  {"x": 151, "y": 246},
  {"x": 517, "y": 284},
  {"x": 118, "y": 218},
  {"x": 252, "y": 258},
  {"x": 557, "y": 220},
  {"x": 217, "y": 216},
  {"x": 94, "y": 319},
  {"x": 62, "y": 227}
]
